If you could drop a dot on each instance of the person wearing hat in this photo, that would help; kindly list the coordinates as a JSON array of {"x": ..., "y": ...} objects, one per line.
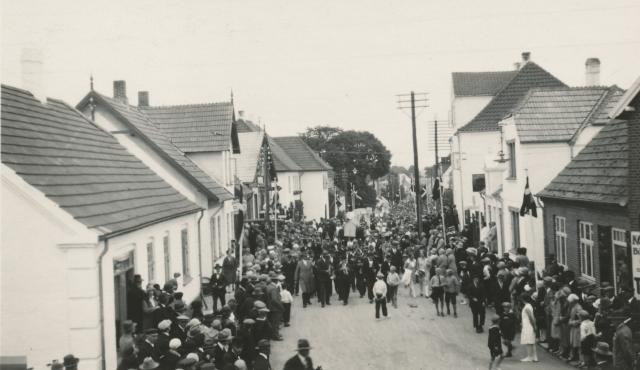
[
  {"x": 602, "y": 353},
  {"x": 218, "y": 285},
  {"x": 302, "y": 360},
  {"x": 70, "y": 362},
  {"x": 188, "y": 363},
  {"x": 162, "y": 342},
  {"x": 305, "y": 279},
  {"x": 135, "y": 298},
  {"x": 274, "y": 304},
  {"x": 148, "y": 364},
  {"x": 169, "y": 359},
  {"x": 261, "y": 362},
  {"x": 55, "y": 365},
  {"x": 623, "y": 344},
  {"x": 380, "y": 294},
  {"x": 126, "y": 340},
  {"x": 477, "y": 303},
  {"x": 222, "y": 349}
]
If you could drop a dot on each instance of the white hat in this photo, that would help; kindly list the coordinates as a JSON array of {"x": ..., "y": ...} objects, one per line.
[
  {"x": 175, "y": 343},
  {"x": 164, "y": 325},
  {"x": 572, "y": 297}
]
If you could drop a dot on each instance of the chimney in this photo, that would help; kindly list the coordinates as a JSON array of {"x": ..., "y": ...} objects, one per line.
[
  {"x": 120, "y": 91},
  {"x": 526, "y": 56},
  {"x": 143, "y": 98},
  {"x": 31, "y": 64},
  {"x": 592, "y": 72},
  {"x": 241, "y": 114}
]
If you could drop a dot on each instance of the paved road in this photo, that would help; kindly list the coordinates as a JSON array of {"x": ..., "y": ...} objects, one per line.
[{"x": 349, "y": 338}]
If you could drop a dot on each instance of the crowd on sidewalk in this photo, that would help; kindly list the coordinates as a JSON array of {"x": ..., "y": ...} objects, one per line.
[{"x": 313, "y": 259}]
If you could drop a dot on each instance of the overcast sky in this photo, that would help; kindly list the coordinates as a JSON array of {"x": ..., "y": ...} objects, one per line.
[{"x": 294, "y": 64}]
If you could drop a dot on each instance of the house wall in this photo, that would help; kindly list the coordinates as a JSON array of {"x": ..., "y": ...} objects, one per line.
[
  {"x": 584, "y": 138},
  {"x": 288, "y": 181},
  {"x": 574, "y": 212},
  {"x": 214, "y": 164},
  {"x": 136, "y": 242},
  {"x": 465, "y": 108},
  {"x": 315, "y": 194},
  {"x": 43, "y": 288},
  {"x": 470, "y": 151}
]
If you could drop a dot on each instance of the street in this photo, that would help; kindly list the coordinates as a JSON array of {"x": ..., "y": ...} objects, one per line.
[{"x": 348, "y": 337}]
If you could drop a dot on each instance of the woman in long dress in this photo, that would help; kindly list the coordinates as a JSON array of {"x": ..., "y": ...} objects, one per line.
[
  {"x": 408, "y": 279},
  {"x": 422, "y": 274},
  {"x": 528, "y": 333}
]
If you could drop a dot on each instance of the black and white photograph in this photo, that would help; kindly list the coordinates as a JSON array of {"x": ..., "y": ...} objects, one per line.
[{"x": 320, "y": 185}]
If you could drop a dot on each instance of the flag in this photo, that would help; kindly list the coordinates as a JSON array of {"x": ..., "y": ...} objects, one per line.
[
  {"x": 423, "y": 194},
  {"x": 435, "y": 192},
  {"x": 528, "y": 203}
]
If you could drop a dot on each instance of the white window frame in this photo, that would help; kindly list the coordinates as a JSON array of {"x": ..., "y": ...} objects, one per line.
[
  {"x": 151, "y": 261},
  {"x": 166, "y": 251},
  {"x": 585, "y": 232},
  {"x": 186, "y": 255},
  {"x": 620, "y": 243},
  {"x": 561, "y": 239}
]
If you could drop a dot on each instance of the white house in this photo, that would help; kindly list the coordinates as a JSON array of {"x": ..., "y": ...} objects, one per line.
[
  {"x": 549, "y": 128},
  {"x": 142, "y": 137},
  {"x": 479, "y": 138},
  {"x": 302, "y": 176},
  {"x": 80, "y": 216}
]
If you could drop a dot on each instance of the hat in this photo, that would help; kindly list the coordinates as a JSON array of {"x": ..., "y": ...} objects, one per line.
[
  {"x": 149, "y": 364},
  {"x": 248, "y": 321},
  {"x": 70, "y": 360},
  {"x": 175, "y": 343},
  {"x": 380, "y": 275},
  {"x": 472, "y": 251},
  {"x": 259, "y": 304},
  {"x": 225, "y": 335},
  {"x": 217, "y": 266},
  {"x": 547, "y": 279},
  {"x": 194, "y": 322},
  {"x": 281, "y": 277},
  {"x": 56, "y": 365},
  {"x": 262, "y": 343},
  {"x": 151, "y": 331},
  {"x": 164, "y": 325},
  {"x": 182, "y": 317},
  {"x": 463, "y": 262},
  {"x": 602, "y": 348},
  {"x": 264, "y": 310},
  {"x": 187, "y": 361},
  {"x": 506, "y": 304},
  {"x": 572, "y": 297},
  {"x": 179, "y": 307},
  {"x": 303, "y": 344},
  {"x": 272, "y": 275}
]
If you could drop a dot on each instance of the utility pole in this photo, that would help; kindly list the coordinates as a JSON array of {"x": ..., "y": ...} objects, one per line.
[
  {"x": 416, "y": 169},
  {"x": 267, "y": 183},
  {"x": 438, "y": 176}
]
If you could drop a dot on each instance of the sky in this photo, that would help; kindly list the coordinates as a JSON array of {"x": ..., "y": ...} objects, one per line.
[{"x": 295, "y": 64}]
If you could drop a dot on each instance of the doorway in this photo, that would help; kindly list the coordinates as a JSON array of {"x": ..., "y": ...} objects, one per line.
[{"x": 122, "y": 279}]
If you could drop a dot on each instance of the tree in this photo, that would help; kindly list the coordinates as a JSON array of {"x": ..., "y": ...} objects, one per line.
[{"x": 317, "y": 137}]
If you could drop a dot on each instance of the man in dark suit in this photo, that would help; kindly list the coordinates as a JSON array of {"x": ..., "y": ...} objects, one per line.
[
  {"x": 323, "y": 269},
  {"x": 477, "y": 299},
  {"x": 301, "y": 361},
  {"x": 396, "y": 257},
  {"x": 502, "y": 294},
  {"x": 218, "y": 285},
  {"x": 370, "y": 270},
  {"x": 262, "y": 359}
]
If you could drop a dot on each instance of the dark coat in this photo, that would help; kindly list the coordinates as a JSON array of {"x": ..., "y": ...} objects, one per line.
[
  {"x": 261, "y": 363},
  {"x": 476, "y": 294},
  {"x": 501, "y": 294},
  {"x": 218, "y": 283},
  {"x": 294, "y": 363}
]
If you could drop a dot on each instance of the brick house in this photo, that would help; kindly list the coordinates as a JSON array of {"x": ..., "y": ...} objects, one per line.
[{"x": 593, "y": 204}]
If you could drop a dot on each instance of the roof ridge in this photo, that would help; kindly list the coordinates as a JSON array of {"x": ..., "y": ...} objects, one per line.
[
  {"x": 508, "y": 71},
  {"x": 150, "y": 107}
]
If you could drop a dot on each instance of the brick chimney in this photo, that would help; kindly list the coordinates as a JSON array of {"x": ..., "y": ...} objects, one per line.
[
  {"x": 143, "y": 98},
  {"x": 592, "y": 72},
  {"x": 120, "y": 91},
  {"x": 241, "y": 114},
  {"x": 526, "y": 56}
]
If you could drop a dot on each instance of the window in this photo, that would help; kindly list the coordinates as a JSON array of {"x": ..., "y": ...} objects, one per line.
[
  {"x": 586, "y": 248},
  {"x": 561, "y": 239},
  {"x": 620, "y": 258},
  {"x": 515, "y": 228},
  {"x": 218, "y": 237},
  {"x": 477, "y": 182},
  {"x": 184, "y": 241},
  {"x": 167, "y": 257},
  {"x": 325, "y": 181},
  {"x": 296, "y": 182},
  {"x": 151, "y": 265},
  {"x": 511, "y": 147}
]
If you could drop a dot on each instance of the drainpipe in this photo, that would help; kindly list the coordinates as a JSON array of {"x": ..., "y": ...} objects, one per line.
[
  {"x": 200, "y": 249},
  {"x": 101, "y": 302}
]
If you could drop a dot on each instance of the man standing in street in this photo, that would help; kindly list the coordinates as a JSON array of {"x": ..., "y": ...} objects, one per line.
[
  {"x": 301, "y": 361},
  {"x": 135, "y": 296},
  {"x": 218, "y": 286},
  {"x": 262, "y": 359},
  {"x": 274, "y": 304},
  {"x": 477, "y": 304},
  {"x": 304, "y": 278},
  {"x": 323, "y": 269}
]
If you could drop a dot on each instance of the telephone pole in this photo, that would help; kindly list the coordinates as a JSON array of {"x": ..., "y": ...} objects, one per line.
[
  {"x": 439, "y": 177},
  {"x": 422, "y": 103}
]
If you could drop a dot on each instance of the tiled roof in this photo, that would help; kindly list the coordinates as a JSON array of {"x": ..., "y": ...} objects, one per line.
[
  {"x": 528, "y": 77},
  {"x": 599, "y": 172},
  {"x": 196, "y": 127},
  {"x": 82, "y": 168},
  {"x": 281, "y": 160},
  {"x": 138, "y": 121},
  {"x": 251, "y": 143},
  {"x": 246, "y": 126},
  {"x": 301, "y": 154},
  {"x": 480, "y": 83},
  {"x": 557, "y": 114}
]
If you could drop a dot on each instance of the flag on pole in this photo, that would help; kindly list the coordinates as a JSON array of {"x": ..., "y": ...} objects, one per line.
[
  {"x": 435, "y": 192},
  {"x": 423, "y": 194},
  {"x": 528, "y": 203}
]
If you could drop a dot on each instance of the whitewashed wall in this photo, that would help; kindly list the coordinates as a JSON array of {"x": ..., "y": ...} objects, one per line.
[
  {"x": 315, "y": 194},
  {"x": 466, "y": 108}
]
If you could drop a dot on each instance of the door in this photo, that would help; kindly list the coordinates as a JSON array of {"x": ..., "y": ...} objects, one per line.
[
  {"x": 122, "y": 277},
  {"x": 605, "y": 254},
  {"x": 501, "y": 241}
]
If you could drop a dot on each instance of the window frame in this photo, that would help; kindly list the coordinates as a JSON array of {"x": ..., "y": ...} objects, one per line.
[
  {"x": 617, "y": 243},
  {"x": 560, "y": 237},
  {"x": 515, "y": 228},
  {"x": 184, "y": 248},
  {"x": 166, "y": 248},
  {"x": 151, "y": 260},
  {"x": 585, "y": 236},
  {"x": 511, "y": 149}
]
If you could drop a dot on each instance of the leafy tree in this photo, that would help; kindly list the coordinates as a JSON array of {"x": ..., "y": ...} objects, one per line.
[{"x": 317, "y": 137}]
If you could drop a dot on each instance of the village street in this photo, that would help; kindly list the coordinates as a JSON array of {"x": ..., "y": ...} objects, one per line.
[{"x": 348, "y": 337}]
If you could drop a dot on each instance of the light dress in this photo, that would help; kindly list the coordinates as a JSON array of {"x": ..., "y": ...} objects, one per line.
[
  {"x": 527, "y": 335},
  {"x": 409, "y": 268}
]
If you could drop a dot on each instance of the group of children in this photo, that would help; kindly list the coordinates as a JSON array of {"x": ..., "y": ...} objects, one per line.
[{"x": 445, "y": 286}]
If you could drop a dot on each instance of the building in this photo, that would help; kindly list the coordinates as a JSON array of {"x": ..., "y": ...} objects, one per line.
[
  {"x": 135, "y": 130},
  {"x": 81, "y": 215},
  {"x": 302, "y": 176},
  {"x": 548, "y": 128},
  {"x": 593, "y": 205},
  {"x": 479, "y": 138}
]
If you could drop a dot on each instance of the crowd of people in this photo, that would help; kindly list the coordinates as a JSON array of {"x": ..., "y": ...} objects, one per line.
[{"x": 314, "y": 260}]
